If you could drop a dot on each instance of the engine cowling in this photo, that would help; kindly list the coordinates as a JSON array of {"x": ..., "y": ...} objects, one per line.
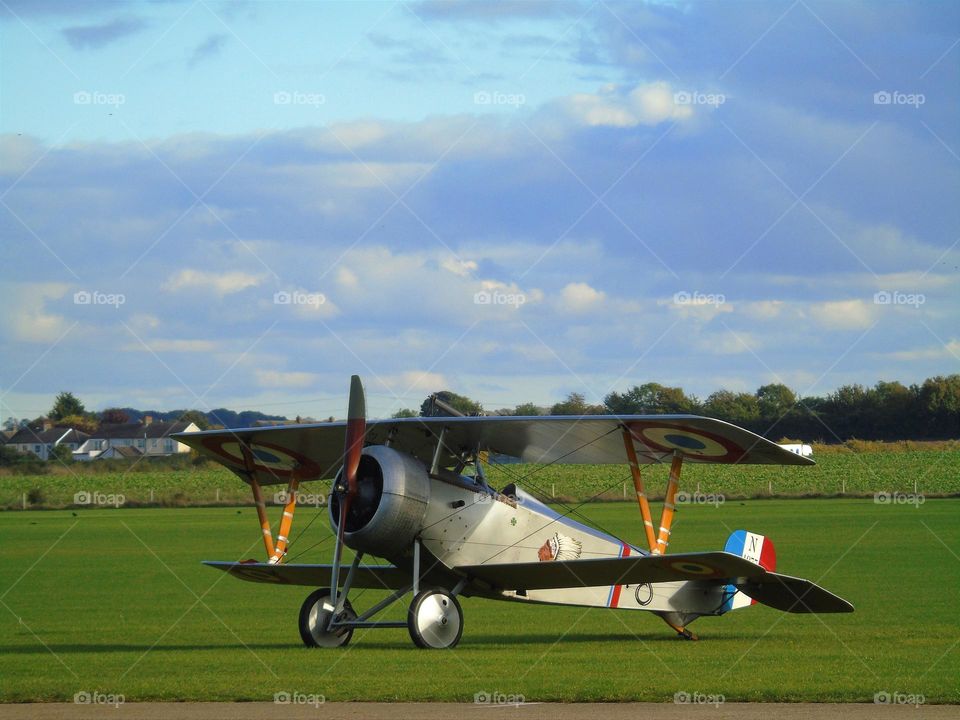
[{"x": 393, "y": 492}]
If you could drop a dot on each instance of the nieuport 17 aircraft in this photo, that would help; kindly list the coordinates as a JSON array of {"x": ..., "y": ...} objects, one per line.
[{"x": 413, "y": 492}]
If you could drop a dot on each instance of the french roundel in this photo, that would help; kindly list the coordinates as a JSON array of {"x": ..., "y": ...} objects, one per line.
[
  {"x": 690, "y": 442},
  {"x": 267, "y": 457},
  {"x": 693, "y": 568}
]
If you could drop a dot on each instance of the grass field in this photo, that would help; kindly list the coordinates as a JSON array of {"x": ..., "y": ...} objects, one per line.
[
  {"x": 115, "y": 601},
  {"x": 930, "y": 471}
]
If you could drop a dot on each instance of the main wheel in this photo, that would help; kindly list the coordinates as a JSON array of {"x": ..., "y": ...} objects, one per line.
[
  {"x": 435, "y": 620},
  {"x": 315, "y": 616}
]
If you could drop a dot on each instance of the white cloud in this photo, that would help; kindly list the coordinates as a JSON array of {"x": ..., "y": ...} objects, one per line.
[
  {"x": 279, "y": 379},
  {"x": 936, "y": 352},
  {"x": 580, "y": 297},
  {"x": 172, "y": 345},
  {"x": 346, "y": 277},
  {"x": 843, "y": 314},
  {"x": 26, "y": 315},
  {"x": 219, "y": 283},
  {"x": 414, "y": 381},
  {"x": 730, "y": 343},
  {"x": 763, "y": 309},
  {"x": 463, "y": 268},
  {"x": 647, "y": 104}
]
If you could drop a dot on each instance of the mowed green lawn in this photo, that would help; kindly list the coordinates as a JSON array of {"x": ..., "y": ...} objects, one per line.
[{"x": 115, "y": 601}]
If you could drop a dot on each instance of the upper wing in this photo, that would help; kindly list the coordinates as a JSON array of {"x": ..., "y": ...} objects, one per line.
[
  {"x": 718, "y": 566},
  {"x": 315, "y": 451}
]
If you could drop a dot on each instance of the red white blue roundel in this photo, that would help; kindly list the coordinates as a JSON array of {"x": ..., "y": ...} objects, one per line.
[
  {"x": 267, "y": 457},
  {"x": 690, "y": 442},
  {"x": 694, "y": 568}
]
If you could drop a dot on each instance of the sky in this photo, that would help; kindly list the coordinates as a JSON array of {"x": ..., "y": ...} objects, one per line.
[{"x": 208, "y": 204}]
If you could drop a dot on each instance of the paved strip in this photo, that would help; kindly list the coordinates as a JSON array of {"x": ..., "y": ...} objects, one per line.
[{"x": 446, "y": 711}]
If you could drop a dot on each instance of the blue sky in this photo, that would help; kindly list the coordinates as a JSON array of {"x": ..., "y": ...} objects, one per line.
[{"x": 240, "y": 204}]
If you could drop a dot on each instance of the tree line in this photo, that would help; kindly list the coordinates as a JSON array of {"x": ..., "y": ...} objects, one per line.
[{"x": 887, "y": 411}]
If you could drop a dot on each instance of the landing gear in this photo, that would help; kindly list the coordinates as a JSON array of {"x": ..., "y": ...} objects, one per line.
[
  {"x": 315, "y": 621},
  {"x": 435, "y": 620}
]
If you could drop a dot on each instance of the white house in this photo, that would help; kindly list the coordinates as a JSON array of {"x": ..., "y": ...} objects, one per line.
[
  {"x": 147, "y": 438},
  {"x": 42, "y": 442}
]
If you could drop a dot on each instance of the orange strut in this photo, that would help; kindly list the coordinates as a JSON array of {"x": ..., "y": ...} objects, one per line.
[
  {"x": 669, "y": 505},
  {"x": 638, "y": 486},
  {"x": 262, "y": 514},
  {"x": 258, "y": 498},
  {"x": 286, "y": 521}
]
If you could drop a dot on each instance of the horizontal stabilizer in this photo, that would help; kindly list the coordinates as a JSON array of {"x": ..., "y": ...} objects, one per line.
[
  {"x": 711, "y": 566},
  {"x": 379, "y": 577},
  {"x": 791, "y": 594}
]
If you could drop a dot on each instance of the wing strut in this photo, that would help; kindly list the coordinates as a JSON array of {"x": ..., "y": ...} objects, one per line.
[
  {"x": 286, "y": 521},
  {"x": 258, "y": 499},
  {"x": 638, "y": 487},
  {"x": 669, "y": 504},
  {"x": 674, "y": 620}
]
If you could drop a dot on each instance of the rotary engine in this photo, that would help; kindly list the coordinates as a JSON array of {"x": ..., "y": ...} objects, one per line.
[{"x": 393, "y": 491}]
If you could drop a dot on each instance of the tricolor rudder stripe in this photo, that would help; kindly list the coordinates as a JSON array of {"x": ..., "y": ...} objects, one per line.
[{"x": 752, "y": 547}]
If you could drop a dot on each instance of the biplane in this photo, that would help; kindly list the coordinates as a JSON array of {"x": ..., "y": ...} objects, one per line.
[{"x": 413, "y": 493}]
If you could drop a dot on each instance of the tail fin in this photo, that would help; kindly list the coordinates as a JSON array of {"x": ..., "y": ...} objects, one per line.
[{"x": 752, "y": 547}]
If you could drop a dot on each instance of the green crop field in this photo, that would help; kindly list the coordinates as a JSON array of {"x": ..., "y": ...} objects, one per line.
[
  {"x": 115, "y": 601},
  {"x": 930, "y": 471}
]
